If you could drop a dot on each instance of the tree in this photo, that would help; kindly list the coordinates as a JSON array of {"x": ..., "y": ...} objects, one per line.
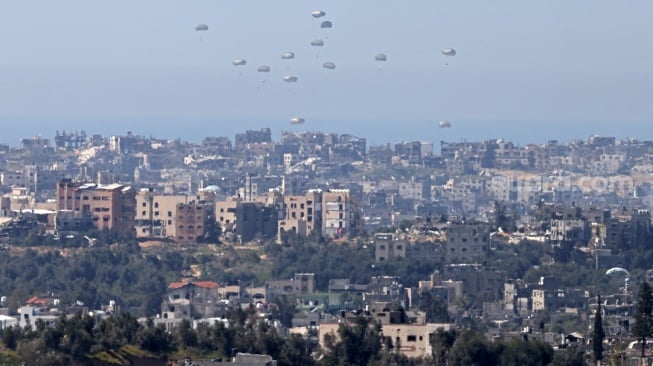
[
  {"x": 10, "y": 337},
  {"x": 520, "y": 353},
  {"x": 472, "y": 348},
  {"x": 569, "y": 357},
  {"x": 358, "y": 344},
  {"x": 441, "y": 343},
  {"x": 598, "y": 334},
  {"x": 296, "y": 351},
  {"x": 435, "y": 308},
  {"x": 643, "y": 327}
]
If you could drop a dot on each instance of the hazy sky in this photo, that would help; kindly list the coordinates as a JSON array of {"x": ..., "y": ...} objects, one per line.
[{"x": 517, "y": 60}]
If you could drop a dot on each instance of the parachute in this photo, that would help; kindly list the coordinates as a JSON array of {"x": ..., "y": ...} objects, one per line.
[
  {"x": 329, "y": 65},
  {"x": 296, "y": 121},
  {"x": 445, "y": 124},
  {"x": 239, "y": 62},
  {"x": 317, "y": 43},
  {"x": 616, "y": 271},
  {"x": 263, "y": 68},
  {"x": 449, "y": 52},
  {"x": 326, "y": 24},
  {"x": 318, "y": 13},
  {"x": 381, "y": 57},
  {"x": 202, "y": 27},
  {"x": 290, "y": 78},
  {"x": 287, "y": 55}
]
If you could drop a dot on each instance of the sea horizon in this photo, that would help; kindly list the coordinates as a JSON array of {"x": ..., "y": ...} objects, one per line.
[{"x": 376, "y": 132}]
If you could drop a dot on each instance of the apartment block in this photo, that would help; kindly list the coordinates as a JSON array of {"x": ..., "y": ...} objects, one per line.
[
  {"x": 301, "y": 214},
  {"x": 337, "y": 213},
  {"x": 111, "y": 206},
  {"x": 387, "y": 247},
  {"x": 178, "y": 217},
  {"x": 467, "y": 242}
]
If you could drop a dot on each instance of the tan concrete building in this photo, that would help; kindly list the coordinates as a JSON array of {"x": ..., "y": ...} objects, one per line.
[
  {"x": 386, "y": 246},
  {"x": 338, "y": 210},
  {"x": 467, "y": 242},
  {"x": 225, "y": 213},
  {"x": 178, "y": 217},
  {"x": 110, "y": 206},
  {"x": 413, "y": 339},
  {"x": 301, "y": 214}
]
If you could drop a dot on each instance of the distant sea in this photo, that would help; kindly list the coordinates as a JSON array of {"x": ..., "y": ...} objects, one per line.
[{"x": 377, "y": 132}]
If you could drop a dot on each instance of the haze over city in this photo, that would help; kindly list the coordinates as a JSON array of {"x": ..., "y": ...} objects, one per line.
[
  {"x": 582, "y": 66},
  {"x": 317, "y": 183}
]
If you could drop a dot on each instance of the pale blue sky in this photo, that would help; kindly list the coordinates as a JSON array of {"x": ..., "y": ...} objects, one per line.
[{"x": 517, "y": 60}]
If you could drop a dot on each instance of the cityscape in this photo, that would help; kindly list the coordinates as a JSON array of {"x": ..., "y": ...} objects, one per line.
[
  {"x": 318, "y": 230},
  {"x": 367, "y": 183}
]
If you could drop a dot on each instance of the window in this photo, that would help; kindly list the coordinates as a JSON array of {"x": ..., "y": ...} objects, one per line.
[
  {"x": 144, "y": 204},
  {"x": 411, "y": 338},
  {"x": 143, "y": 213},
  {"x": 156, "y": 204},
  {"x": 169, "y": 213}
]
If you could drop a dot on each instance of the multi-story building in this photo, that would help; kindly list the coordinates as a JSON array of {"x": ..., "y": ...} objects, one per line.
[
  {"x": 387, "y": 247},
  {"x": 411, "y": 190},
  {"x": 155, "y": 214},
  {"x": 412, "y": 340},
  {"x": 253, "y": 219},
  {"x": 225, "y": 213},
  {"x": 467, "y": 242},
  {"x": 301, "y": 214},
  {"x": 301, "y": 283},
  {"x": 338, "y": 213},
  {"x": 626, "y": 231},
  {"x": 111, "y": 207}
]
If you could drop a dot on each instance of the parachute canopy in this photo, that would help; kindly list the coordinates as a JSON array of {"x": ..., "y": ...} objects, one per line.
[
  {"x": 329, "y": 65},
  {"x": 290, "y": 78},
  {"x": 326, "y": 24},
  {"x": 239, "y": 62},
  {"x": 318, "y": 13},
  {"x": 380, "y": 57},
  {"x": 263, "y": 68},
  {"x": 317, "y": 43},
  {"x": 287, "y": 55},
  {"x": 445, "y": 124},
  {"x": 617, "y": 271},
  {"x": 449, "y": 52},
  {"x": 202, "y": 27},
  {"x": 296, "y": 121}
]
